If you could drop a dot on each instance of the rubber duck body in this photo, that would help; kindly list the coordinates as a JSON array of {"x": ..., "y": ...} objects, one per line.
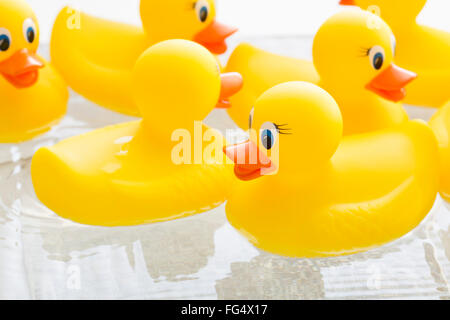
[
  {"x": 308, "y": 192},
  {"x": 34, "y": 96},
  {"x": 421, "y": 49},
  {"x": 440, "y": 123},
  {"x": 354, "y": 63},
  {"x": 131, "y": 173},
  {"x": 97, "y": 65}
]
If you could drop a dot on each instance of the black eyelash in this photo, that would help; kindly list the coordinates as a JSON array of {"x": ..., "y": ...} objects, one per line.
[
  {"x": 364, "y": 52},
  {"x": 281, "y": 130}
]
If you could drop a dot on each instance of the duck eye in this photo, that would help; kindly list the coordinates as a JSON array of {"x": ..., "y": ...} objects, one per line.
[
  {"x": 29, "y": 30},
  {"x": 5, "y": 39},
  {"x": 30, "y": 35},
  {"x": 268, "y": 135},
  {"x": 202, "y": 9},
  {"x": 250, "y": 118},
  {"x": 376, "y": 56},
  {"x": 378, "y": 61},
  {"x": 4, "y": 42},
  {"x": 267, "y": 139}
]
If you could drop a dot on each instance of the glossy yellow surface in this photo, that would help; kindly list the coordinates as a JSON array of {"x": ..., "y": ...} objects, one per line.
[
  {"x": 262, "y": 70},
  {"x": 332, "y": 195},
  {"x": 28, "y": 111},
  {"x": 342, "y": 60},
  {"x": 96, "y": 56},
  {"x": 422, "y": 49},
  {"x": 440, "y": 123},
  {"x": 125, "y": 174}
]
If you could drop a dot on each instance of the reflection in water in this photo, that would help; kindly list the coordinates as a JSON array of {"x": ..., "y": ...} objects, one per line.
[
  {"x": 435, "y": 268},
  {"x": 172, "y": 251},
  {"x": 270, "y": 277},
  {"x": 445, "y": 238}
]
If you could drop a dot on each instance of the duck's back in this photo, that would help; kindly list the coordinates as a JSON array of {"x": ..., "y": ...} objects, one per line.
[
  {"x": 96, "y": 56},
  {"x": 109, "y": 177},
  {"x": 426, "y": 51},
  {"x": 421, "y": 47},
  {"x": 385, "y": 185},
  {"x": 262, "y": 70},
  {"x": 440, "y": 123}
]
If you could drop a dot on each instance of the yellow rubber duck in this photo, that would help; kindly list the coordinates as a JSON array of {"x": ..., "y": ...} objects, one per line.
[
  {"x": 422, "y": 49},
  {"x": 440, "y": 123},
  {"x": 96, "y": 56},
  {"x": 355, "y": 64},
  {"x": 34, "y": 96},
  {"x": 308, "y": 192},
  {"x": 130, "y": 173}
]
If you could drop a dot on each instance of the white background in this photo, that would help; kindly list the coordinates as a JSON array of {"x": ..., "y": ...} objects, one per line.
[{"x": 253, "y": 17}]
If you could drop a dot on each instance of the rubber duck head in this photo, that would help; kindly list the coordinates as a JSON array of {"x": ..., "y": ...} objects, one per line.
[
  {"x": 354, "y": 50},
  {"x": 176, "y": 82},
  {"x": 295, "y": 126},
  {"x": 185, "y": 19},
  {"x": 19, "y": 40},
  {"x": 390, "y": 10}
]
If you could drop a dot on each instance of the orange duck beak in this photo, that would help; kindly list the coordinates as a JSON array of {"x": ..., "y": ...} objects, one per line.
[
  {"x": 214, "y": 36},
  {"x": 250, "y": 162},
  {"x": 21, "y": 69},
  {"x": 231, "y": 84},
  {"x": 347, "y": 3},
  {"x": 390, "y": 84}
]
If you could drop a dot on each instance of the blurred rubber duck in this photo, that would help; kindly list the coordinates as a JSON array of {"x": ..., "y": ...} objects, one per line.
[
  {"x": 308, "y": 192},
  {"x": 131, "y": 173},
  {"x": 440, "y": 123},
  {"x": 355, "y": 64},
  {"x": 34, "y": 96},
  {"x": 422, "y": 49},
  {"x": 96, "y": 56}
]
